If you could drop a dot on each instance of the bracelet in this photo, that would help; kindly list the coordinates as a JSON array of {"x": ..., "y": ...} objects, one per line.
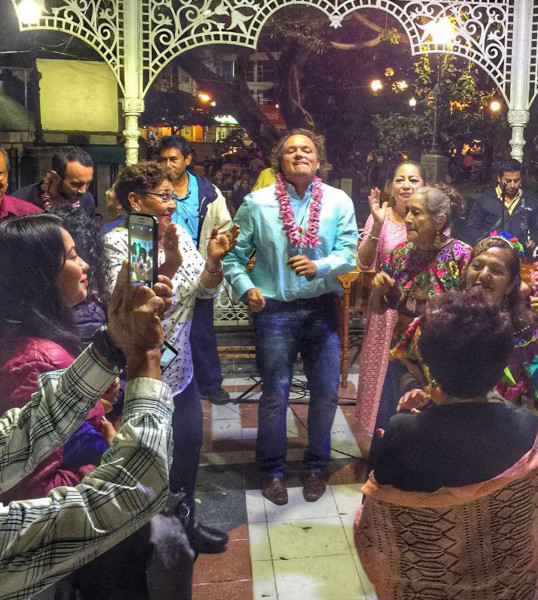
[
  {"x": 373, "y": 237},
  {"x": 219, "y": 270}
]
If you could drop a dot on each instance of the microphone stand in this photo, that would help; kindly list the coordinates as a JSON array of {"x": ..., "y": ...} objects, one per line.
[{"x": 503, "y": 200}]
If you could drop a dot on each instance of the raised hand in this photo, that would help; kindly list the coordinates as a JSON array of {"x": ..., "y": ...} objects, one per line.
[
  {"x": 172, "y": 254},
  {"x": 377, "y": 210},
  {"x": 219, "y": 245},
  {"x": 134, "y": 324}
]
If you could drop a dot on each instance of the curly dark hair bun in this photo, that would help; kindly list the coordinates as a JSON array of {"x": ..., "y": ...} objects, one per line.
[{"x": 466, "y": 342}]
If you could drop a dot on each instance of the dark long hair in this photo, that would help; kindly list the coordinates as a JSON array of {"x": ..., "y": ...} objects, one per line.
[
  {"x": 31, "y": 257},
  {"x": 86, "y": 234}
]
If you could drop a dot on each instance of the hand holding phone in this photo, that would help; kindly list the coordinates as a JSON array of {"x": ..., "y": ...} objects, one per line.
[{"x": 143, "y": 249}]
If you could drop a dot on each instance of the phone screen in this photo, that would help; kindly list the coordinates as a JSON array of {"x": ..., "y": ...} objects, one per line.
[
  {"x": 141, "y": 252},
  {"x": 168, "y": 353}
]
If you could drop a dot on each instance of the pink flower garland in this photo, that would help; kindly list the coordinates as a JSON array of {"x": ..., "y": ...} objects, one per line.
[{"x": 310, "y": 238}]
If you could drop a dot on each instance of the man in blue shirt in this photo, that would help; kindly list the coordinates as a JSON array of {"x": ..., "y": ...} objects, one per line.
[
  {"x": 200, "y": 208},
  {"x": 304, "y": 234}
]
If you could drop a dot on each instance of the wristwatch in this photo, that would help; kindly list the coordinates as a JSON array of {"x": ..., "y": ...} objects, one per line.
[{"x": 107, "y": 350}]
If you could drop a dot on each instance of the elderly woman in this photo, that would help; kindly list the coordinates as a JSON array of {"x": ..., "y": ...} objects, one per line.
[
  {"x": 451, "y": 508},
  {"x": 494, "y": 268},
  {"x": 147, "y": 188},
  {"x": 429, "y": 263},
  {"x": 384, "y": 230}
]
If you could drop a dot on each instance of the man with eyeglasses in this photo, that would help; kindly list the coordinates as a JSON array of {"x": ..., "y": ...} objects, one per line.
[
  {"x": 9, "y": 205},
  {"x": 200, "y": 207}
]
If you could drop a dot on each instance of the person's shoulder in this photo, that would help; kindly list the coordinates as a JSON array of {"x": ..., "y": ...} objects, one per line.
[
  {"x": 335, "y": 193},
  {"x": 29, "y": 193},
  {"x": 117, "y": 236},
  {"x": 17, "y": 206},
  {"x": 487, "y": 196},
  {"x": 530, "y": 197},
  {"x": 41, "y": 350},
  {"x": 460, "y": 248}
]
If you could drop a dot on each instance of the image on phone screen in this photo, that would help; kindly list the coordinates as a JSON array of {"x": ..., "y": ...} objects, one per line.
[
  {"x": 168, "y": 353},
  {"x": 141, "y": 253}
]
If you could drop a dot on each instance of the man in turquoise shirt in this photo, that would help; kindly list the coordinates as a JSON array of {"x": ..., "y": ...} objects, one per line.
[{"x": 304, "y": 234}]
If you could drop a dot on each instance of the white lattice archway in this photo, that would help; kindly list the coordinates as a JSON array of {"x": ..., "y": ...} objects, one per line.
[{"x": 137, "y": 38}]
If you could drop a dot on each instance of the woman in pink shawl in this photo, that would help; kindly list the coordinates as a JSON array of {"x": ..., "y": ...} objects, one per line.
[
  {"x": 384, "y": 230},
  {"x": 451, "y": 510}
]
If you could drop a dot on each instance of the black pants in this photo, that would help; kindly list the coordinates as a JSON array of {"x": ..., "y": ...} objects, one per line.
[{"x": 203, "y": 339}]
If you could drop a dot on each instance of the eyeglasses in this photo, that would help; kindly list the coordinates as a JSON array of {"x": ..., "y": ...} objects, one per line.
[{"x": 165, "y": 198}]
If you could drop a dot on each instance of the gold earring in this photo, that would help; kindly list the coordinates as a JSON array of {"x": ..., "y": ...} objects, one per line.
[{"x": 437, "y": 241}]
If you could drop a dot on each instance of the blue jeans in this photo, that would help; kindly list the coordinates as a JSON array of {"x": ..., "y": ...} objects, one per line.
[{"x": 282, "y": 329}]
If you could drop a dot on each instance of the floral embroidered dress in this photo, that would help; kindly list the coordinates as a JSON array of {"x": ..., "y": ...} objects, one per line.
[
  {"x": 422, "y": 274},
  {"x": 378, "y": 331},
  {"x": 516, "y": 386}
]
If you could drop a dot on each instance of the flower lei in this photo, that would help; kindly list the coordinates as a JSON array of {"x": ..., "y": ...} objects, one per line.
[{"x": 308, "y": 239}]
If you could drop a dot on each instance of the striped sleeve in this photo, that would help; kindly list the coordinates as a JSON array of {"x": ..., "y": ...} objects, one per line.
[{"x": 43, "y": 540}]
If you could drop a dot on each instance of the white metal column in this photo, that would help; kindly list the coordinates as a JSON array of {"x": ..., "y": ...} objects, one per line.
[{"x": 520, "y": 71}]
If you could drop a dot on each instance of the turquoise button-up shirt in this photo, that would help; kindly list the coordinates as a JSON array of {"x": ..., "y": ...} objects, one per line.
[
  {"x": 262, "y": 231},
  {"x": 188, "y": 209}
]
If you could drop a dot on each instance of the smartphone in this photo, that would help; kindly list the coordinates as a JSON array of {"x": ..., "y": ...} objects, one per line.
[
  {"x": 143, "y": 249},
  {"x": 168, "y": 353}
]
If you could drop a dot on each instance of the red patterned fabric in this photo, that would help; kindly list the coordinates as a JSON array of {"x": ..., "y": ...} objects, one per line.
[{"x": 476, "y": 542}]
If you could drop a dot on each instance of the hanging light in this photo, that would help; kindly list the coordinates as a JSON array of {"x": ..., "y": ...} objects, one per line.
[
  {"x": 29, "y": 11},
  {"x": 495, "y": 106},
  {"x": 412, "y": 102},
  {"x": 441, "y": 31},
  {"x": 376, "y": 85}
]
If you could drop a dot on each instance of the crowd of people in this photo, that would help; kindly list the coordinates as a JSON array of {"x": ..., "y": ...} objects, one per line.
[{"x": 99, "y": 449}]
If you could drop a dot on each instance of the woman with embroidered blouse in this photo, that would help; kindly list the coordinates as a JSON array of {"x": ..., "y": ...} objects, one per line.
[
  {"x": 429, "y": 263},
  {"x": 494, "y": 268},
  {"x": 383, "y": 231}
]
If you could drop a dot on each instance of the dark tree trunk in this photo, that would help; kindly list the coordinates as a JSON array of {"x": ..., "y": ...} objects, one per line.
[
  {"x": 234, "y": 98},
  {"x": 288, "y": 70}
]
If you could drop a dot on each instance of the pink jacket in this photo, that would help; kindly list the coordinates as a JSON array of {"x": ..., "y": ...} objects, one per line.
[{"x": 22, "y": 360}]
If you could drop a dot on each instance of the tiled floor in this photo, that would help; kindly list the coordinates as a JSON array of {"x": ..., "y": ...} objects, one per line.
[{"x": 300, "y": 550}]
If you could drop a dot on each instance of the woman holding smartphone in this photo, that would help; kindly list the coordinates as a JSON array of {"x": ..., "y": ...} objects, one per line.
[{"x": 147, "y": 188}]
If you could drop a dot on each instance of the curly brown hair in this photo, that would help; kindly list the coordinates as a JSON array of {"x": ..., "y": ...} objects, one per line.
[
  {"x": 317, "y": 140},
  {"x": 139, "y": 178},
  {"x": 466, "y": 341}
]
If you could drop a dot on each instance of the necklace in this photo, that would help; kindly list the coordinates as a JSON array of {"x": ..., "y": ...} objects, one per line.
[{"x": 296, "y": 235}]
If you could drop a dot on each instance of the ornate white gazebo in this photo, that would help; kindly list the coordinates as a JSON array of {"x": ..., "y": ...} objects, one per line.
[{"x": 137, "y": 38}]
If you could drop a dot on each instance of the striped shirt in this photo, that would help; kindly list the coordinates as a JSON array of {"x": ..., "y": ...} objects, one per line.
[{"x": 43, "y": 540}]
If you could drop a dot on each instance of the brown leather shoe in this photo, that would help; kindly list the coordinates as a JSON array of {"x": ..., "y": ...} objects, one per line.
[
  {"x": 313, "y": 486},
  {"x": 274, "y": 490}
]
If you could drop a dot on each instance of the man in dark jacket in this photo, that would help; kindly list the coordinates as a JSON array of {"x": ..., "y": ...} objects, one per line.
[
  {"x": 66, "y": 183},
  {"x": 200, "y": 208},
  {"x": 518, "y": 215}
]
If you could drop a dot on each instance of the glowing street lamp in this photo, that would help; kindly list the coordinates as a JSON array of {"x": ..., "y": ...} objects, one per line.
[
  {"x": 442, "y": 33},
  {"x": 29, "y": 11},
  {"x": 495, "y": 106},
  {"x": 412, "y": 103},
  {"x": 203, "y": 97},
  {"x": 376, "y": 85}
]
